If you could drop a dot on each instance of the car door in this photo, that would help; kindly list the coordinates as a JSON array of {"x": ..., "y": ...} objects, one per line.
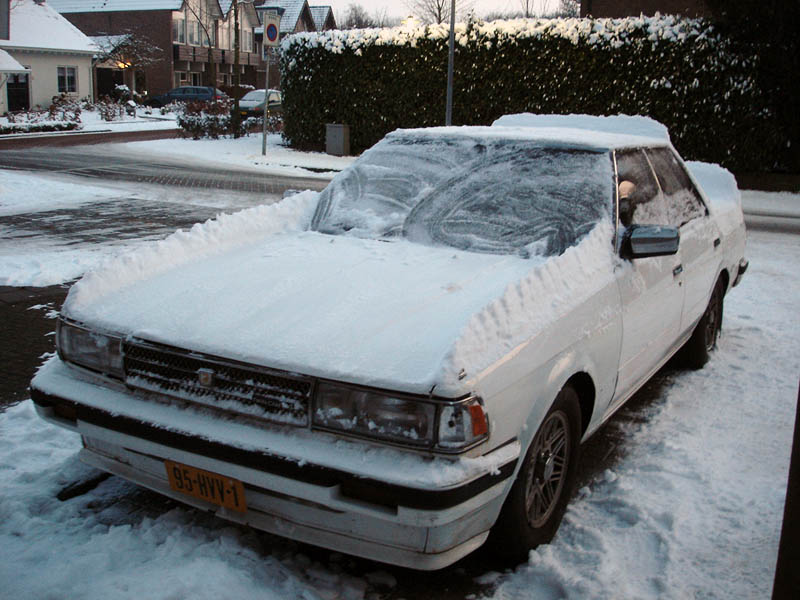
[
  {"x": 651, "y": 289},
  {"x": 700, "y": 236}
]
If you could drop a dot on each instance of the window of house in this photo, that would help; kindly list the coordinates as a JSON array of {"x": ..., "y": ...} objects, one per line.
[
  {"x": 67, "y": 80},
  {"x": 197, "y": 78},
  {"x": 210, "y": 36},
  {"x": 179, "y": 31},
  {"x": 193, "y": 28},
  {"x": 180, "y": 78}
]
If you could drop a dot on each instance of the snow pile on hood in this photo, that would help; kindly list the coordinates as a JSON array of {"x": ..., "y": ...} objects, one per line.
[
  {"x": 723, "y": 194},
  {"x": 617, "y": 124},
  {"x": 547, "y": 293},
  {"x": 200, "y": 242}
]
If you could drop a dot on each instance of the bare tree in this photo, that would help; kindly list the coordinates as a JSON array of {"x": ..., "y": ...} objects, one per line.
[
  {"x": 527, "y": 8},
  {"x": 569, "y": 8},
  {"x": 438, "y": 11},
  {"x": 131, "y": 49},
  {"x": 357, "y": 17},
  {"x": 206, "y": 18}
]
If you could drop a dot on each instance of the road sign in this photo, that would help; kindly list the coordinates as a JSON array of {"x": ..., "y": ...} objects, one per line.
[{"x": 272, "y": 28}]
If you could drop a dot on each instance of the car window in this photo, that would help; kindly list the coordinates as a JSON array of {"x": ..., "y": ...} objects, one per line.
[
  {"x": 255, "y": 96},
  {"x": 646, "y": 205},
  {"x": 493, "y": 196},
  {"x": 682, "y": 198}
]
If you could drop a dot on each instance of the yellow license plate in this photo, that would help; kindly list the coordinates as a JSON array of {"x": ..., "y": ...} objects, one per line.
[{"x": 205, "y": 485}]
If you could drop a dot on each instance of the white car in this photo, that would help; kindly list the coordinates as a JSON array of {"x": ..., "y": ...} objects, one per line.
[{"x": 408, "y": 361}]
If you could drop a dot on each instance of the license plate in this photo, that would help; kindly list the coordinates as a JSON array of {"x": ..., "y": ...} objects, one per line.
[{"x": 205, "y": 485}]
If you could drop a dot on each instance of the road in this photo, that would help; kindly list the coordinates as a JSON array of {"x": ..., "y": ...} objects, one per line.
[{"x": 95, "y": 163}]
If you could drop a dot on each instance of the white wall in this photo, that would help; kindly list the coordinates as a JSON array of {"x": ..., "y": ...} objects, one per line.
[{"x": 44, "y": 75}]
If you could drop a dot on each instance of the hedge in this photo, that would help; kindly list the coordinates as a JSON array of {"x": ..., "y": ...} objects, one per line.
[{"x": 678, "y": 71}]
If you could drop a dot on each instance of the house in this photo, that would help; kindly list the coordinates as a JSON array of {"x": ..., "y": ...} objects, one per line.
[
  {"x": 626, "y": 8},
  {"x": 323, "y": 17},
  {"x": 196, "y": 38},
  {"x": 55, "y": 57}
]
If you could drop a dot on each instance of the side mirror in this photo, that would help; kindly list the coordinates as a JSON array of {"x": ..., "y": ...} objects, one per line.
[{"x": 643, "y": 241}]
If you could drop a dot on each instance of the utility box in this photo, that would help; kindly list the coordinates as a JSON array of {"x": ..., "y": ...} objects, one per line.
[{"x": 337, "y": 139}]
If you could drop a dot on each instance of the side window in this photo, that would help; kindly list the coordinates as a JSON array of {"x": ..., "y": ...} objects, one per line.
[
  {"x": 683, "y": 201},
  {"x": 641, "y": 201}
]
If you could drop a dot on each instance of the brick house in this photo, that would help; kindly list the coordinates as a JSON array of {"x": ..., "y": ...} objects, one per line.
[
  {"x": 627, "y": 8},
  {"x": 185, "y": 30},
  {"x": 194, "y": 35}
]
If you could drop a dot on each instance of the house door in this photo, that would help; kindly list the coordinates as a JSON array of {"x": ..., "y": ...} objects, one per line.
[{"x": 18, "y": 92}]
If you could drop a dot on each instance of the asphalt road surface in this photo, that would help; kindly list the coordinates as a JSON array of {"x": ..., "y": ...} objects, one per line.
[{"x": 95, "y": 162}]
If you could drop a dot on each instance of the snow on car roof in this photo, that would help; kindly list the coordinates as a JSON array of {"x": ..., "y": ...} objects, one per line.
[
  {"x": 617, "y": 125},
  {"x": 567, "y": 135}
]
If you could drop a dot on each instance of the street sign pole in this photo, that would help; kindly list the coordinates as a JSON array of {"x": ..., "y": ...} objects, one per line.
[
  {"x": 272, "y": 27},
  {"x": 266, "y": 112}
]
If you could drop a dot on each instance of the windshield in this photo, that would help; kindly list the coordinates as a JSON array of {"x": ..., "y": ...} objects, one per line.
[
  {"x": 500, "y": 196},
  {"x": 255, "y": 96}
]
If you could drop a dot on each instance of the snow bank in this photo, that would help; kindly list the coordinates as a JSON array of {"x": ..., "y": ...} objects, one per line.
[{"x": 200, "y": 242}]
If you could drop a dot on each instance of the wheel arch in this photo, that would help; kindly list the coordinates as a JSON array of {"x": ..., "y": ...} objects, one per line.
[{"x": 584, "y": 386}]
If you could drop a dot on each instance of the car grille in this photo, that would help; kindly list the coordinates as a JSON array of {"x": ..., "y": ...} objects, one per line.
[{"x": 217, "y": 383}]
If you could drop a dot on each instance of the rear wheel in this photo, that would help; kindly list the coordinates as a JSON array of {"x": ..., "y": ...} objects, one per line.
[
  {"x": 704, "y": 338},
  {"x": 539, "y": 496}
]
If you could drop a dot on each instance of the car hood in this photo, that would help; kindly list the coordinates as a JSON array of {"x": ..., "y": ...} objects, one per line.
[{"x": 378, "y": 313}]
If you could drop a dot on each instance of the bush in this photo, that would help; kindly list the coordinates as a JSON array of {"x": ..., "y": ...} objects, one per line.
[
  {"x": 210, "y": 119},
  {"x": 39, "y": 127},
  {"x": 678, "y": 71}
]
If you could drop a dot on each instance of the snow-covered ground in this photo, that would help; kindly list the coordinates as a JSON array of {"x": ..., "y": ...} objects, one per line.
[{"x": 243, "y": 152}]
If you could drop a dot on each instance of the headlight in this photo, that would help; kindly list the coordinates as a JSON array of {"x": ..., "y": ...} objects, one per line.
[
  {"x": 452, "y": 427},
  {"x": 89, "y": 349}
]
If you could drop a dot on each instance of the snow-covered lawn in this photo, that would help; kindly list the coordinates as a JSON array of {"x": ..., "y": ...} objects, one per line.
[
  {"x": 243, "y": 152},
  {"x": 692, "y": 509}
]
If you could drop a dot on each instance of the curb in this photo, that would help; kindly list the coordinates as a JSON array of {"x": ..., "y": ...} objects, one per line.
[{"x": 75, "y": 139}]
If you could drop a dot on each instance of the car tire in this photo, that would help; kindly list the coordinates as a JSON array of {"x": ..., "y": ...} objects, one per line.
[
  {"x": 697, "y": 350},
  {"x": 538, "y": 499}
]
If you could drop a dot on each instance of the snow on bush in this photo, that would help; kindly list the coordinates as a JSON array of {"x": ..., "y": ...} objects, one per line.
[{"x": 681, "y": 72}]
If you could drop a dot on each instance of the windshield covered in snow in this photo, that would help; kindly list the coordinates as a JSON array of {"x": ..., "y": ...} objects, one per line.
[{"x": 494, "y": 195}]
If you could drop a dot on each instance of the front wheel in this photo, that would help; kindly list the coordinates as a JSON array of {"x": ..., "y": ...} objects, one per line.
[{"x": 538, "y": 499}]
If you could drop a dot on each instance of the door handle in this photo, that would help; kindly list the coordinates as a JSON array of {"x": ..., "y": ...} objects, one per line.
[
  {"x": 716, "y": 243},
  {"x": 677, "y": 270}
]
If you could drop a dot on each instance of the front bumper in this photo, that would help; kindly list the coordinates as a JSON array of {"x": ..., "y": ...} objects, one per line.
[{"x": 412, "y": 524}]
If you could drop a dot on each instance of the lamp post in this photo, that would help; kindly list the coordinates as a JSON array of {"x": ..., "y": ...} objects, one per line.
[{"x": 448, "y": 120}]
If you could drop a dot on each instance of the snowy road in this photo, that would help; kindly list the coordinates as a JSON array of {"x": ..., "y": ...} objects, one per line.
[{"x": 682, "y": 495}]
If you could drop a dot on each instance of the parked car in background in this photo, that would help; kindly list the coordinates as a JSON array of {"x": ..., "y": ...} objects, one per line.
[
  {"x": 252, "y": 103},
  {"x": 187, "y": 93},
  {"x": 408, "y": 361}
]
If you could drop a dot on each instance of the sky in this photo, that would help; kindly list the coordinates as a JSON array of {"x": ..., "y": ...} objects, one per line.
[{"x": 399, "y": 8}]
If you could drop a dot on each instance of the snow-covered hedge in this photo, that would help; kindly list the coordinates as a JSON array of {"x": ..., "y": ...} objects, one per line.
[
  {"x": 38, "y": 127},
  {"x": 678, "y": 71}
]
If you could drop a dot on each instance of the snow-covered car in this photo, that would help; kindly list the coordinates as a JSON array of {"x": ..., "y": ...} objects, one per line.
[{"x": 408, "y": 361}]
